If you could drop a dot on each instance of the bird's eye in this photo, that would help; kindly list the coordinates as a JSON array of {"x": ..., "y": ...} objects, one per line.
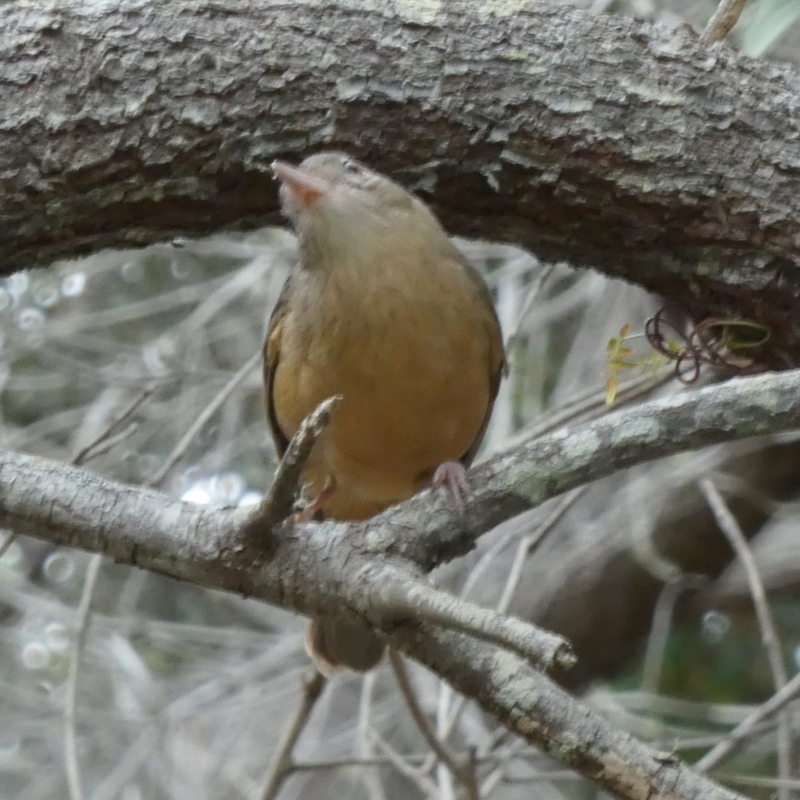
[{"x": 350, "y": 166}]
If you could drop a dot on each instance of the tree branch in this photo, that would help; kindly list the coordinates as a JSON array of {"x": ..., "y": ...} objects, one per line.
[
  {"x": 228, "y": 549},
  {"x": 723, "y": 20},
  {"x": 279, "y": 500},
  {"x": 315, "y": 567},
  {"x": 282, "y": 762},
  {"x": 674, "y": 174},
  {"x": 407, "y": 599},
  {"x": 535, "y": 708},
  {"x": 769, "y": 636}
]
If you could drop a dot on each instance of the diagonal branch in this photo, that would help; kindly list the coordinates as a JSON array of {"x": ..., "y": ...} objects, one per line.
[
  {"x": 404, "y": 599},
  {"x": 341, "y": 567},
  {"x": 769, "y": 636},
  {"x": 540, "y": 468},
  {"x": 548, "y": 717},
  {"x": 282, "y": 762},
  {"x": 723, "y": 20},
  {"x": 203, "y": 544},
  {"x": 279, "y": 500},
  {"x": 461, "y": 767},
  {"x": 74, "y": 782},
  {"x": 749, "y": 725}
]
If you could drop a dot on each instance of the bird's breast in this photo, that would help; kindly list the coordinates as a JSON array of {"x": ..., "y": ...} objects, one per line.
[{"x": 409, "y": 352}]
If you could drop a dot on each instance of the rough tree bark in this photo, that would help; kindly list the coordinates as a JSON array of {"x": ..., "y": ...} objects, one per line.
[
  {"x": 666, "y": 162},
  {"x": 352, "y": 567},
  {"x": 601, "y": 141}
]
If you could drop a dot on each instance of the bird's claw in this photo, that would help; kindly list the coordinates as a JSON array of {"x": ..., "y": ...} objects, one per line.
[
  {"x": 453, "y": 475},
  {"x": 313, "y": 507}
]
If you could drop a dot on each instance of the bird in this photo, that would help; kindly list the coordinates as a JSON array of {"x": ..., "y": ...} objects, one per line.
[{"x": 383, "y": 310}]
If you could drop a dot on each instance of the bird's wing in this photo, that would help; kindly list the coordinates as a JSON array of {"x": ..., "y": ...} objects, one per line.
[
  {"x": 272, "y": 352},
  {"x": 497, "y": 357}
]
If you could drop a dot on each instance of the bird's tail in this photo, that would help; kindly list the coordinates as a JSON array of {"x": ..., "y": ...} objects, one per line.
[{"x": 335, "y": 644}]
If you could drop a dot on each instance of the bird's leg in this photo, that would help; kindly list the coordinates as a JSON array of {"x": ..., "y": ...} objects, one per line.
[
  {"x": 453, "y": 475},
  {"x": 309, "y": 511}
]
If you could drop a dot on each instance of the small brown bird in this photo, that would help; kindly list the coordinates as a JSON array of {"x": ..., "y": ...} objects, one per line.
[{"x": 386, "y": 312}]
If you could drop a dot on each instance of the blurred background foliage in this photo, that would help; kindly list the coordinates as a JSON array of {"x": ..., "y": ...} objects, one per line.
[{"x": 145, "y": 366}]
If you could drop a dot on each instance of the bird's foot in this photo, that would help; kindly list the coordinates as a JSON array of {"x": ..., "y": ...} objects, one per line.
[
  {"x": 453, "y": 475},
  {"x": 310, "y": 509}
]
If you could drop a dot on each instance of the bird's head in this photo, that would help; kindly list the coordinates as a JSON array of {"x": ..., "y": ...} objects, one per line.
[{"x": 341, "y": 208}]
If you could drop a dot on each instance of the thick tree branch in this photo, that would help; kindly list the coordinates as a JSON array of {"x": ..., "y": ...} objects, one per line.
[
  {"x": 300, "y": 566},
  {"x": 542, "y": 467},
  {"x": 666, "y": 161},
  {"x": 341, "y": 566}
]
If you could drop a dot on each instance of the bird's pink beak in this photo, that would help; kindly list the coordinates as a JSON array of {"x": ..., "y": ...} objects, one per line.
[{"x": 306, "y": 188}]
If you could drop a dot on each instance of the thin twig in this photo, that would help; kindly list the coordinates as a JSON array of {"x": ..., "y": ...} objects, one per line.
[
  {"x": 404, "y": 599},
  {"x": 241, "y": 281},
  {"x": 537, "y": 284},
  {"x": 282, "y": 765},
  {"x": 460, "y": 768},
  {"x": 684, "y": 743},
  {"x": 204, "y": 416},
  {"x": 487, "y": 559},
  {"x": 113, "y": 785},
  {"x": 660, "y": 627},
  {"x": 70, "y": 738},
  {"x": 423, "y": 782},
  {"x": 529, "y": 544},
  {"x": 748, "y": 726},
  {"x": 323, "y": 764},
  {"x": 103, "y": 441},
  {"x": 444, "y": 776},
  {"x": 93, "y": 570},
  {"x": 85, "y": 452},
  {"x": 731, "y": 484},
  {"x": 722, "y": 21},
  {"x": 499, "y": 772},
  {"x": 756, "y": 781},
  {"x": 730, "y": 527},
  {"x": 366, "y": 746},
  {"x": 376, "y": 762},
  {"x": 589, "y": 405},
  {"x": 110, "y": 442},
  {"x": 7, "y": 543},
  {"x": 157, "y": 304},
  {"x": 278, "y": 503},
  {"x": 526, "y": 546}
]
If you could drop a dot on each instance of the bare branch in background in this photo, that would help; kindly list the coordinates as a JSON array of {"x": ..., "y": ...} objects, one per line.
[
  {"x": 149, "y": 529},
  {"x": 202, "y": 419},
  {"x": 70, "y": 701},
  {"x": 723, "y": 20},
  {"x": 749, "y": 726},
  {"x": 282, "y": 762},
  {"x": 460, "y": 766},
  {"x": 659, "y": 631},
  {"x": 769, "y": 637},
  {"x": 415, "y": 774},
  {"x": 112, "y": 427}
]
